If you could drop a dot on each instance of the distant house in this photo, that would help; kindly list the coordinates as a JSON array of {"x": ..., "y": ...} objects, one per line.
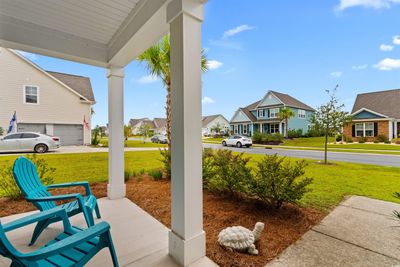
[
  {"x": 262, "y": 115},
  {"x": 210, "y": 123},
  {"x": 160, "y": 126},
  {"x": 373, "y": 114},
  {"x": 137, "y": 123},
  {"x": 45, "y": 102}
]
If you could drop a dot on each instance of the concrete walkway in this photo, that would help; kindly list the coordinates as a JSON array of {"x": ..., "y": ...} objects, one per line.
[{"x": 359, "y": 232}]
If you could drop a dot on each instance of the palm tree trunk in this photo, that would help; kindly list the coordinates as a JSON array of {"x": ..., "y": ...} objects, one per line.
[
  {"x": 286, "y": 128},
  {"x": 168, "y": 112}
]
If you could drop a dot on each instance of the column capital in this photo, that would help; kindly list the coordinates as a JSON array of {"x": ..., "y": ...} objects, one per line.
[
  {"x": 115, "y": 71},
  {"x": 192, "y": 8}
]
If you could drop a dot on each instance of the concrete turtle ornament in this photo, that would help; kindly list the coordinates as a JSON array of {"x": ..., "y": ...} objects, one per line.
[{"x": 240, "y": 238}]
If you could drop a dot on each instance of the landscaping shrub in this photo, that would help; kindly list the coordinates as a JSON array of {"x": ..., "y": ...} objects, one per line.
[
  {"x": 46, "y": 173},
  {"x": 208, "y": 165},
  {"x": 362, "y": 140},
  {"x": 127, "y": 175},
  {"x": 1, "y": 131},
  {"x": 382, "y": 138},
  {"x": 157, "y": 174},
  {"x": 376, "y": 142},
  {"x": 387, "y": 142},
  {"x": 396, "y": 141},
  {"x": 348, "y": 139},
  {"x": 166, "y": 160},
  {"x": 257, "y": 138},
  {"x": 230, "y": 173},
  {"x": 277, "y": 181},
  {"x": 338, "y": 138},
  {"x": 295, "y": 133}
]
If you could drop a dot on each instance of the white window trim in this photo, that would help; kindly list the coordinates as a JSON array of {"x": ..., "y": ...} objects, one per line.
[
  {"x": 301, "y": 114},
  {"x": 270, "y": 128},
  {"x": 273, "y": 112},
  {"x": 24, "y": 94},
  {"x": 262, "y": 112},
  {"x": 364, "y": 129}
]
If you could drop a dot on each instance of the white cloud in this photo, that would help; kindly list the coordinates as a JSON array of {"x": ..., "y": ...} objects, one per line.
[
  {"x": 396, "y": 40},
  {"x": 147, "y": 79},
  {"x": 236, "y": 30},
  {"x": 207, "y": 100},
  {"x": 360, "y": 67},
  {"x": 30, "y": 56},
  {"x": 385, "y": 47},
  {"x": 336, "y": 74},
  {"x": 388, "y": 64},
  {"x": 214, "y": 64},
  {"x": 376, "y": 4}
]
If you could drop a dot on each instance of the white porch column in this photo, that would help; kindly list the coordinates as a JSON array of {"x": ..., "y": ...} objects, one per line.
[
  {"x": 186, "y": 238},
  {"x": 116, "y": 184}
]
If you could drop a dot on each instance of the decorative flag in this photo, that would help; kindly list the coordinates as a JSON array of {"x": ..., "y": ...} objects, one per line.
[
  {"x": 12, "y": 128},
  {"x": 85, "y": 122}
]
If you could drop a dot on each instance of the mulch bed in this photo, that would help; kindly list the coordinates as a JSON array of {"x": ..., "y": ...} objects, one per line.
[{"x": 282, "y": 227}]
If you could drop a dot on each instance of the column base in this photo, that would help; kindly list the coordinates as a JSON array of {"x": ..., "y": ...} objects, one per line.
[
  {"x": 116, "y": 191},
  {"x": 186, "y": 252}
]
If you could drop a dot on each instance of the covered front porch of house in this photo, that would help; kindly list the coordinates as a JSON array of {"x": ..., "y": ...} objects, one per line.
[
  {"x": 110, "y": 34},
  {"x": 249, "y": 129}
]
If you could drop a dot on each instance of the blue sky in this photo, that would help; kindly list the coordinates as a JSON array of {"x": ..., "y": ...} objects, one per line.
[{"x": 296, "y": 47}]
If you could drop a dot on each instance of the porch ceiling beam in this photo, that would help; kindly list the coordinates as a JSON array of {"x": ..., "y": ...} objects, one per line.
[{"x": 22, "y": 35}]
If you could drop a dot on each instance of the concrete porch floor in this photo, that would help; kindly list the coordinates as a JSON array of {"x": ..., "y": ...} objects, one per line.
[{"x": 139, "y": 239}]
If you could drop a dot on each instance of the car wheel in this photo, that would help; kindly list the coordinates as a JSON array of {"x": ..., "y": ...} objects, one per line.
[
  {"x": 224, "y": 143},
  {"x": 41, "y": 148},
  {"x": 238, "y": 144}
]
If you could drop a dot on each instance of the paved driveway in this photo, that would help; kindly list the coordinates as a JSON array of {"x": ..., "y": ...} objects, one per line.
[
  {"x": 375, "y": 159},
  {"x": 359, "y": 232}
]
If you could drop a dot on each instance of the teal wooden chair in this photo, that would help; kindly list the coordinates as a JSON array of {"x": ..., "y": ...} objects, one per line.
[
  {"x": 73, "y": 247},
  {"x": 27, "y": 179}
]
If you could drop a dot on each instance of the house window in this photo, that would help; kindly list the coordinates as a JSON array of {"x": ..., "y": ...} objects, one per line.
[
  {"x": 273, "y": 113},
  {"x": 245, "y": 128},
  {"x": 260, "y": 113},
  {"x": 369, "y": 129},
  {"x": 359, "y": 129},
  {"x": 31, "y": 95},
  {"x": 235, "y": 129},
  {"x": 274, "y": 128},
  {"x": 302, "y": 114}
]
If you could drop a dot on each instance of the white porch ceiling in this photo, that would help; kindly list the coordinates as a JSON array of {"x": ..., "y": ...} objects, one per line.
[{"x": 88, "y": 31}]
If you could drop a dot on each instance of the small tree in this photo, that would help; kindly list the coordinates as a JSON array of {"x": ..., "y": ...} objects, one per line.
[
  {"x": 285, "y": 114},
  {"x": 144, "y": 131},
  {"x": 217, "y": 128},
  {"x": 330, "y": 118},
  {"x": 127, "y": 131}
]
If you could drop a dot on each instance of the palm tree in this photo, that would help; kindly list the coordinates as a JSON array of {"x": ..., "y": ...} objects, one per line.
[
  {"x": 157, "y": 61},
  {"x": 285, "y": 114}
]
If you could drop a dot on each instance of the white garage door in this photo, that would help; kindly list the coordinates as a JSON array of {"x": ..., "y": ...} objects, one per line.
[
  {"x": 70, "y": 134},
  {"x": 32, "y": 127}
]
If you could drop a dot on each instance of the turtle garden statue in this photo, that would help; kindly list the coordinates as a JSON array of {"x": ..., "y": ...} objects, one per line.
[{"x": 240, "y": 238}]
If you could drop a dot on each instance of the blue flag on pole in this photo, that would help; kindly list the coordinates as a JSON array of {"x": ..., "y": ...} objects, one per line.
[{"x": 12, "y": 128}]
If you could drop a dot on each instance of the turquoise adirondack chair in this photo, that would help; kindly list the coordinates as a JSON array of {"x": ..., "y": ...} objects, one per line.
[
  {"x": 74, "y": 247},
  {"x": 27, "y": 179}
]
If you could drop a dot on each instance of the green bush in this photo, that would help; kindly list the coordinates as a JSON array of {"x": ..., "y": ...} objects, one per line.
[
  {"x": 382, "y": 138},
  {"x": 157, "y": 174},
  {"x": 229, "y": 173},
  {"x": 128, "y": 174},
  {"x": 362, "y": 140},
  {"x": 387, "y": 142},
  {"x": 208, "y": 165},
  {"x": 277, "y": 181},
  {"x": 376, "y": 142},
  {"x": 257, "y": 137},
  {"x": 166, "y": 160},
  {"x": 46, "y": 173},
  {"x": 338, "y": 138},
  {"x": 295, "y": 133},
  {"x": 1, "y": 131},
  {"x": 95, "y": 137}
]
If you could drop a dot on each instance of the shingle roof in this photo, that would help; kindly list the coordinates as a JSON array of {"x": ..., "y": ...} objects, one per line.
[
  {"x": 291, "y": 101},
  {"x": 384, "y": 102},
  {"x": 79, "y": 84},
  {"x": 207, "y": 119},
  {"x": 133, "y": 122},
  {"x": 249, "y": 114},
  {"x": 160, "y": 122}
]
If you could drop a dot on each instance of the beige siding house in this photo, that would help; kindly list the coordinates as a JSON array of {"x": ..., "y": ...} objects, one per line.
[
  {"x": 48, "y": 102},
  {"x": 209, "y": 123}
]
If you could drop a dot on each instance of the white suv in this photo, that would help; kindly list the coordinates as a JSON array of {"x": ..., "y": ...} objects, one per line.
[
  {"x": 238, "y": 141},
  {"x": 39, "y": 143}
]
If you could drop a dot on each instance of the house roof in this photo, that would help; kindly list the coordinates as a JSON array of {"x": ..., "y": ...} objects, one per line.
[
  {"x": 383, "y": 102},
  {"x": 160, "y": 122},
  {"x": 248, "y": 114},
  {"x": 207, "y": 119},
  {"x": 80, "y": 84},
  {"x": 133, "y": 122},
  {"x": 291, "y": 101}
]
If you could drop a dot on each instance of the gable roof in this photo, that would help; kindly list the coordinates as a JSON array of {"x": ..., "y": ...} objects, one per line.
[
  {"x": 248, "y": 113},
  {"x": 207, "y": 119},
  {"x": 133, "y": 122},
  {"x": 160, "y": 122},
  {"x": 383, "y": 102},
  {"x": 80, "y": 84},
  {"x": 291, "y": 101}
]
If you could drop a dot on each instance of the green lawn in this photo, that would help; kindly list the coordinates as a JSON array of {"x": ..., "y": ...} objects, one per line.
[
  {"x": 331, "y": 183},
  {"x": 134, "y": 143}
]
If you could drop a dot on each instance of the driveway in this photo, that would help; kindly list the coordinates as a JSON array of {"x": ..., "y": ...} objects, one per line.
[
  {"x": 375, "y": 159},
  {"x": 359, "y": 232}
]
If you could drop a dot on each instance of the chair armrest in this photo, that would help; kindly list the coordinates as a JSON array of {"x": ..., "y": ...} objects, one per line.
[
  {"x": 39, "y": 216},
  {"x": 55, "y": 198},
  {"x": 84, "y": 184},
  {"x": 68, "y": 242}
]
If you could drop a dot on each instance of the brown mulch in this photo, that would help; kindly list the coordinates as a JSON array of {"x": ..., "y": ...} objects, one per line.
[{"x": 282, "y": 227}]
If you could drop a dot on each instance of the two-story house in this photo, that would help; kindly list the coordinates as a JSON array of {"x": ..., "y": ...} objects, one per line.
[
  {"x": 374, "y": 114},
  {"x": 262, "y": 116},
  {"x": 45, "y": 102}
]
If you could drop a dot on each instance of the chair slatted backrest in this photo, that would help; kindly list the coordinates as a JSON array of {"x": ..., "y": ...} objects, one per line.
[{"x": 28, "y": 181}]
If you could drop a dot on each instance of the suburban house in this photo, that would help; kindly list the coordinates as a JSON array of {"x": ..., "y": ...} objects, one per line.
[
  {"x": 158, "y": 125},
  {"x": 210, "y": 123},
  {"x": 46, "y": 102},
  {"x": 375, "y": 114},
  {"x": 262, "y": 116}
]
